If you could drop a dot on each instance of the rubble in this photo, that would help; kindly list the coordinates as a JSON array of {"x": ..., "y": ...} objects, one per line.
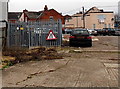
[{"x": 36, "y": 54}]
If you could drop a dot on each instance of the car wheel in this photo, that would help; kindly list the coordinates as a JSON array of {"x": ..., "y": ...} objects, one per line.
[
  {"x": 95, "y": 35},
  {"x": 109, "y": 34},
  {"x": 70, "y": 44},
  {"x": 89, "y": 45}
]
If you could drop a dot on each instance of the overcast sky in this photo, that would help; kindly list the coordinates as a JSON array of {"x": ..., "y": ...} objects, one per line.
[{"x": 62, "y": 6}]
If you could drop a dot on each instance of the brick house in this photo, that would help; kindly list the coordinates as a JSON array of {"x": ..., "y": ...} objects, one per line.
[
  {"x": 14, "y": 16},
  {"x": 46, "y": 14},
  {"x": 29, "y": 16},
  {"x": 94, "y": 19},
  {"x": 50, "y": 14},
  {"x": 74, "y": 21}
]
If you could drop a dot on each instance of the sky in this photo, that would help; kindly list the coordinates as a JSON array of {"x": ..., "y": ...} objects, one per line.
[{"x": 62, "y": 6}]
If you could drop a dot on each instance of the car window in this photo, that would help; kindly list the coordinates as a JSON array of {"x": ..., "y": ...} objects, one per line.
[{"x": 83, "y": 32}]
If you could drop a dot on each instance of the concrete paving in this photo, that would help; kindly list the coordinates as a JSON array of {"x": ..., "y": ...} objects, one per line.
[
  {"x": 67, "y": 72},
  {"x": 77, "y": 69}
]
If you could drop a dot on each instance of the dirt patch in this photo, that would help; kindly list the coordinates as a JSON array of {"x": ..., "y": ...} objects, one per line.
[{"x": 41, "y": 53}]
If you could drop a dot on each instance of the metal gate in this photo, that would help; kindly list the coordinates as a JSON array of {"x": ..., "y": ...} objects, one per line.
[
  {"x": 30, "y": 34},
  {"x": 3, "y": 34}
]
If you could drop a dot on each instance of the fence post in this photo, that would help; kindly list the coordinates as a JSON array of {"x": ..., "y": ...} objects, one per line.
[
  {"x": 28, "y": 29},
  {"x": 60, "y": 31},
  {"x": 8, "y": 35}
]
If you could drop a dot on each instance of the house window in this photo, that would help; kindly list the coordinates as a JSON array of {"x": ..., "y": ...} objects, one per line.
[
  {"x": 94, "y": 26},
  {"x": 105, "y": 26},
  {"x": 112, "y": 19},
  {"x": 67, "y": 20},
  {"x": 101, "y": 18},
  {"x": 51, "y": 17},
  {"x": 25, "y": 19},
  {"x": 109, "y": 26}
]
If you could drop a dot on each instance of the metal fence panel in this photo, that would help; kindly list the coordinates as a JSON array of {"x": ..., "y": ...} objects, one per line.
[
  {"x": 32, "y": 34},
  {"x": 2, "y": 37}
]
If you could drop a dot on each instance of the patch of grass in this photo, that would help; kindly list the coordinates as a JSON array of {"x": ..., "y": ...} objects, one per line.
[{"x": 8, "y": 64}]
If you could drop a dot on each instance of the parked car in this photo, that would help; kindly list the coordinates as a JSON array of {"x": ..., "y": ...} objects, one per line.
[
  {"x": 68, "y": 31},
  {"x": 106, "y": 31},
  {"x": 99, "y": 31},
  {"x": 80, "y": 37},
  {"x": 117, "y": 32},
  {"x": 92, "y": 32}
]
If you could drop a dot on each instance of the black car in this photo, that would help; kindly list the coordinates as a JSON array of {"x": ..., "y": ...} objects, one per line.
[
  {"x": 117, "y": 32},
  {"x": 106, "y": 31},
  {"x": 80, "y": 37},
  {"x": 68, "y": 31}
]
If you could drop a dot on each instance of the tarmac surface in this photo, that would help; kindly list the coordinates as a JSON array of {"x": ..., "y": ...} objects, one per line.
[{"x": 80, "y": 68}]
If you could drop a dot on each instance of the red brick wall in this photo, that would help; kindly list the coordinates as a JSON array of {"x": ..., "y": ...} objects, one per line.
[{"x": 46, "y": 15}]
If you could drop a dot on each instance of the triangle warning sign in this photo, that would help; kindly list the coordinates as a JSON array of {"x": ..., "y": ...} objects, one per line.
[{"x": 51, "y": 36}]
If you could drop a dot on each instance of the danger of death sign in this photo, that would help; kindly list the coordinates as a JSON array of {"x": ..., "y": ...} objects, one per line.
[{"x": 51, "y": 36}]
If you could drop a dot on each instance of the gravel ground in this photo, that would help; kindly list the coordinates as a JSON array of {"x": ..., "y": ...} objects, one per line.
[
  {"x": 103, "y": 43},
  {"x": 106, "y": 43}
]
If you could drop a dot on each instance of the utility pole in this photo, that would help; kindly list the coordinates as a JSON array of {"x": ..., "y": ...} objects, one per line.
[
  {"x": 77, "y": 20},
  {"x": 83, "y": 16}
]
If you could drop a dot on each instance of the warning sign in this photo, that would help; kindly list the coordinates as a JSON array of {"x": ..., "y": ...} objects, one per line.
[{"x": 51, "y": 36}]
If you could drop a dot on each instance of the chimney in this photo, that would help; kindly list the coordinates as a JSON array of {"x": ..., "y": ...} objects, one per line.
[
  {"x": 25, "y": 11},
  {"x": 45, "y": 8}
]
